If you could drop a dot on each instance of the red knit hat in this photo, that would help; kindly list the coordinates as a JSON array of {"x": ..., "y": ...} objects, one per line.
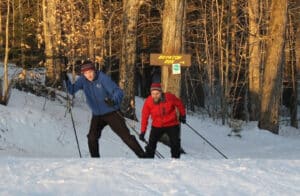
[
  {"x": 87, "y": 66},
  {"x": 155, "y": 86}
]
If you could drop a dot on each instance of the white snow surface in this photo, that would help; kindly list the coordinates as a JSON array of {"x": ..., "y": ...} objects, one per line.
[{"x": 39, "y": 156}]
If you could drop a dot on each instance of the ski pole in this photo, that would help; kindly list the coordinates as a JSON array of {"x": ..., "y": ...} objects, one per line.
[
  {"x": 72, "y": 119},
  {"x": 158, "y": 154},
  {"x": 75, "y": 133},
  {"x": 206, "y": 140}
]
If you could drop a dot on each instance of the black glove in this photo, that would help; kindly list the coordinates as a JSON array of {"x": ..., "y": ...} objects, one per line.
[
  {"x": 182, "y": 119},
  {"x": 109, "y": 101},
  {"x": 142, "y": 137},
  {"x": 64, "y": 76}
]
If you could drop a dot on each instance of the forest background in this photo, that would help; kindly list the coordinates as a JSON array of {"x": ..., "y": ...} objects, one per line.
[{"x": 244, "y": 53}]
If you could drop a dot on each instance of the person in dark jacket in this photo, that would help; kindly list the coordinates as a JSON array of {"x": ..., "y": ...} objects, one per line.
[
  {"x": 103, "y": 96},
  {"x": 162, "y": 109}
]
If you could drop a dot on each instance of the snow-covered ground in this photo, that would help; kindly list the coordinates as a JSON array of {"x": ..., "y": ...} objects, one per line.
[
  {"x": 39, "y": 156},
  {"x": 124, "y": 176}
]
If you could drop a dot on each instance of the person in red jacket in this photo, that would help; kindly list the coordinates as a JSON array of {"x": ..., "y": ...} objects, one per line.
[{"x": 162, "y": 109}]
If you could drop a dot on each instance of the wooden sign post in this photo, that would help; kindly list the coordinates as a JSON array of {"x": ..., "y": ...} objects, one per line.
[
  {"x": 167, "y": 60},
  {"x": 164, "y": 59}
]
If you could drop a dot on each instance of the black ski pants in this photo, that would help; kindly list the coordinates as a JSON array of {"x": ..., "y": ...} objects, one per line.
[
  {"x": 118, "y": 125},
  {"x": 156, "y": 133}
]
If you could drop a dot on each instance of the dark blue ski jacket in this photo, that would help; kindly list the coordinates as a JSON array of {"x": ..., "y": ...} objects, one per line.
[{"x": 96, "y": 91}]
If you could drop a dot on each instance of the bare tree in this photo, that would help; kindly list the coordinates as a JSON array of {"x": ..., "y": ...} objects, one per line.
[
  {"x": 5, "y": 96},
  {"x": 297, "y": 24},
  {"x": 128, "y": 57},
  {"x": 220, "y": 61},
  {"x": 1, "y": 38},
  {"x": 290, "y": 72},
  {"x": 22, "y": 31},
  {"x": 172, "y": 41},
  {"x": 233, "y": 44},
  {"x": 91, "y": 31},
  {"x": 272, "y": 79},
  {"x": 49, "y": 26},
  {"x": 99, "y": 28},
  {"x": 254, "y": 59}
]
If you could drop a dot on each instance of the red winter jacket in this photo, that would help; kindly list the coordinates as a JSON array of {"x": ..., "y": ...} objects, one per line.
[{"x": 163, "y": 114}]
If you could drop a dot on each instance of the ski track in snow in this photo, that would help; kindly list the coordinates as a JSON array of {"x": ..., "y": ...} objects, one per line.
[
  {"x": 39, "y": 156},
  {"x": 149, "y": 177}
]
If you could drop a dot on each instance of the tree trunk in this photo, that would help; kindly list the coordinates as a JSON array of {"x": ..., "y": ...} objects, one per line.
[
  {"x": 297, "y": 23},
  {"x": 254, "y": 59},
  {"x": 172, "y": 41},
  {"x": 297, "y": 51},
  {"x": 49, "y": 25},
  {"x": 6, "y": 53},
  {"x": 220, "y": 60},
  {"x": 13, "y": 23},
  {"x": 234, "y": 22},
  {"x": 128, "y": 58},
  {"x": 1, "y": 37},
  {"x": 99, "y": 34},
  {"x": 1, "y": 90},
  {"x": 91, "y": 31},
  {"x": 294, "y": 14},
  {"x": 272, "y": 79},
  {"x": 72, "y": 39},
  {"x": 22, "y": 33},
  {"x": 39, "y": 27}
]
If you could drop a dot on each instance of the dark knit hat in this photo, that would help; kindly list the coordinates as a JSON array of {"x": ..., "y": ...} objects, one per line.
[
  {"x": 155, "y": 86},
  {"x": 87, "y": 66}
]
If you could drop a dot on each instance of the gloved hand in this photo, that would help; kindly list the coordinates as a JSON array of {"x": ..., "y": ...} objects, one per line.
[
  {"x": 182, "y": 119},
  {"x": 142, "y": 137},
  {"x": 109, "y": 101},
  {"x": 64, "y": 76}
]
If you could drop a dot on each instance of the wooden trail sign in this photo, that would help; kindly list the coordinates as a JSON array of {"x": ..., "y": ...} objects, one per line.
[{"x": 165, "y": 59}]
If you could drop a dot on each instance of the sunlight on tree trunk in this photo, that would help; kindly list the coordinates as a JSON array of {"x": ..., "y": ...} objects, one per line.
[
  {"x": 6, "y": 84},
  {"x": 254, "y": 59},
  {"x": 1, "y": 37},
  {"x": 91, "y": 32},
  {"x": 291, "y": 61},
  {"x": 297, "y": 24},
  {"x": 272, "y": 79},
  {"x": 128, "y": 58},
  {"x": 172, "y": 41},
  {"x": 99, "y": 34},
  {"x": 51, "y": 35}
]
